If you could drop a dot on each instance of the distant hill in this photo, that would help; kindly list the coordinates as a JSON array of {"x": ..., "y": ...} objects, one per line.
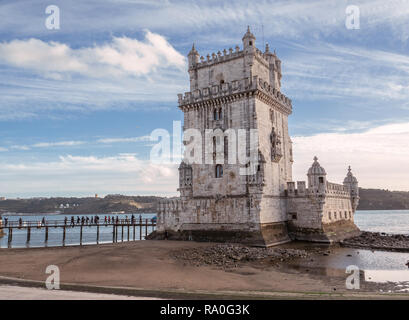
[
  {"x": 108, "y": 204},
  {"x": 377, "y": 199},
  {"x": 371, "y": 199}
]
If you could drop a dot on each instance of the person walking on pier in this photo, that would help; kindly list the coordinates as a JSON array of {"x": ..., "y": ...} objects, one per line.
[
  {"x": 87, "y": 220},
  {"x": 92, "y": 220},
  {"x": 65, "y": 221},
  {"x": 105, "y": 221},
  {"x": 78, "y": 220},
  {"x": 20, "y": 222},
  {"x": 82, "y": 220},
  {"x": 109, "y": 219},
  {"x": 72, "y": 221},
  {"x": 132, "y": 219}
]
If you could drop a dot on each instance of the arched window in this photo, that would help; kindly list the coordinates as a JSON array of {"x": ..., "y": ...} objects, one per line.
[
  {"x": 219, "y": 171},
  {"x": 215, "y": 115}
]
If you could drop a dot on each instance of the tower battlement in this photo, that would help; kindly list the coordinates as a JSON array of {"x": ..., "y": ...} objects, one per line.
[
  {"x": 222, "y": 56},
  {"x": 228, "y": 89},
  {"x": 230, "y": 65}
]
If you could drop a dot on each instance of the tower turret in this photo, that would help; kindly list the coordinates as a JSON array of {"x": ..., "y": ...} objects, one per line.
[
  {"x": 249, "y": 41},
  {"x": 193, "y": 60},
  {"x": 352, "y": 184},
  {"x": 274, "y": 66},
  {"x": 317, "y": 177},
  {"x": 193, "y": 57},
  {"x": 185, "y": 180}
]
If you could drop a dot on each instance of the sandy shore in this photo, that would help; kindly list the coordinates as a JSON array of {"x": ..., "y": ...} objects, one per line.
[{"x": 148, "y": 269}]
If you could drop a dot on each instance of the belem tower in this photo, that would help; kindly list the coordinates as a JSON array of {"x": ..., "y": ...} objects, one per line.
[{"x": 241, "y": 89}]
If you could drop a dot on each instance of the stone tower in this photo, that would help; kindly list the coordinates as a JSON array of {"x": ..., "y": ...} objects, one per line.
[
  {"x": 231, "y": 91},
  {"x": 235, "y": 181}
]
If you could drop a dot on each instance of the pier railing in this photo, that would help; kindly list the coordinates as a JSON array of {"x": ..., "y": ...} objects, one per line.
[{"x": 118, "y": 225}]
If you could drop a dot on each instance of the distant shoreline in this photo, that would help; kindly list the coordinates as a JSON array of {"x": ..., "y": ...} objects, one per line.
[
  {"x": 128, "y": 213},
  {"x": 71, "y": 214}
]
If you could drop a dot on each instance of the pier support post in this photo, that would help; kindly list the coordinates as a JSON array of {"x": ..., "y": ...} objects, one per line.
[
  {"x": 122, "y": 234},
  {"x": 81, "y": 235},
  {"x": 28, "y": 234},
  {"x": 116, "y": 233},
  {"x": 146, "y": 228},
  {"x": 10, "y": 238},
  {"x": 63, "y": 236},
  {"x": 46, "y": 234},
  {"x": 134, "y": 231},
  {"x": 113, "y": 233},
  {"x": 140, "y": 227},
  {"x": 128, "y": 231},
  {"x": 97, "y": 233}
]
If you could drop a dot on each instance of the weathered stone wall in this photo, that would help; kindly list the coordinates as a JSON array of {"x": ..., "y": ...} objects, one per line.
[{"x": 240, "y": 90}]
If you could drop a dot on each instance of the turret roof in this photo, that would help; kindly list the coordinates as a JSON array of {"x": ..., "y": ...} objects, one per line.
[{"x": 316, "y": 168}]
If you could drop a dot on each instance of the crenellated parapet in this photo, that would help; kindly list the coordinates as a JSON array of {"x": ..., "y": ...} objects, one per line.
[
  {"x": 215, "y": 58},
  {"x": 335, "y": 189},
  {"x": 226, "y": 92},
  {"x": 331, "y": 189},
  {"x": 230, "y": 54}
]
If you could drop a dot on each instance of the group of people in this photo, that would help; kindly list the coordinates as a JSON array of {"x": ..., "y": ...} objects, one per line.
[
  {"x": 87, "y": 220},
  {"x": 95, "y": 220}
]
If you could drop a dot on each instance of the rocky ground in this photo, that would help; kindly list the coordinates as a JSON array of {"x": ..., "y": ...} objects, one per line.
[
  {"x": 227, "y": 256},
  {"x": 381, "y": 241}
]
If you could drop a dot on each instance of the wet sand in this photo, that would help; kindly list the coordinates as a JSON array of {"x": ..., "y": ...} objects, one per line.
[{"x": 147, "y": 268}]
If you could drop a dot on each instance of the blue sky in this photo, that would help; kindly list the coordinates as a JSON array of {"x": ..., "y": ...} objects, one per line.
[{"x": 77, "y": 104}]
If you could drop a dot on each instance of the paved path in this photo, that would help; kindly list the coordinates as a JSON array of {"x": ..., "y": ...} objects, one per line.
[{"x": 26, "y": 293}]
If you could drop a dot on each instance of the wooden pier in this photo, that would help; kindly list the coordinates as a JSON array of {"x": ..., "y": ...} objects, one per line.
[{"x": 120, "y": 225}]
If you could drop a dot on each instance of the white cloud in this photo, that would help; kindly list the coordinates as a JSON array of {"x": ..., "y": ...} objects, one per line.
[
  {"x": 3, "y": 149},
  {"x": 346, "y": 72},
  {"x": 18, "y": 147},
  {"x": 378, "y": 156},
  {"x": 122, "y": 56},
  {"x": 57, "y": 144},
  {"x": 124, "y": 173},
  {"x": 119, "y": 140}
]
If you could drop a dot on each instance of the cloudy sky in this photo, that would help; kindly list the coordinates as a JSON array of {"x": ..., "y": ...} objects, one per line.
[{"x": 78, "y": 104}]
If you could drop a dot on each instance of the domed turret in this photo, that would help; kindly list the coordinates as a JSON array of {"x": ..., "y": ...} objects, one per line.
[
  {"x": 249, "y": 40},
  {"x": 193, "y": 56},
  {"x": 351, "y": 183},
  {"x": 316, "y": 168},
  {"x": 350, "y": 179},
  {"x": 317, "y": 177}
]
